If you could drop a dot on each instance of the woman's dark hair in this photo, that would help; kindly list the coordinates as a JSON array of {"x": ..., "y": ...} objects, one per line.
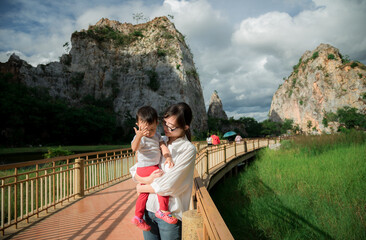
[
  {"x": 147, "y": 114},
  {"x": 184, "y": 116}
]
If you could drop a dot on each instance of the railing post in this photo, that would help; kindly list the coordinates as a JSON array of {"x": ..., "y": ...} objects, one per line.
[
  {"x": 79, "y": 165},
  {"x": 2, "y": 206},
  {"x": 245, "y": 146},
  {"x": 235, "y": 148},
  {"x": 15, "y": 198},
  {"x": 207, "y": 167},
  {"x": 115, "y": 166},
  {"x": 224, "y": 153},
  {"x": 54, "y": 184},
  {"x": 37, "y": 189}
]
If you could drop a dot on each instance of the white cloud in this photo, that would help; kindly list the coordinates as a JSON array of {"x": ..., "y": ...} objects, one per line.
[
  {"x": 269, "y": 45},
  {"x": 242, "y": 49}
]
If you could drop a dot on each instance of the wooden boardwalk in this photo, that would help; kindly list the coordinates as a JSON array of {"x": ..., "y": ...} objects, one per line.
[{"x": 105, "y": 214}]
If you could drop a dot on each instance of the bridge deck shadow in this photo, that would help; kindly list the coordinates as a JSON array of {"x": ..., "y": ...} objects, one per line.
[{"x": 102, "y": 215}]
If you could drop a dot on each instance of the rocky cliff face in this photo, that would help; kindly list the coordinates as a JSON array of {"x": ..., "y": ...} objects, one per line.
[
  {"x": 319, "y": 84},
  {"x": 124, "y": 64},
  {"x": 215, "y": 109}
]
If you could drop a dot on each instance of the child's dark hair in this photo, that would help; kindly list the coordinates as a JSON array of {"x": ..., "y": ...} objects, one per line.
[
  {"x": 184, "y": 116},
  {"x": 147, "y": 114}
]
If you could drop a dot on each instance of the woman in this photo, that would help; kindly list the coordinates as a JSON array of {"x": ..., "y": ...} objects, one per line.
[{"x": 176, "y": 181}]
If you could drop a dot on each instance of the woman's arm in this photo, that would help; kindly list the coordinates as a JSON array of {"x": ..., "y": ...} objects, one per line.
[
  {"x": 180, "y": 177},
  {"x": 141, "y": 188}
]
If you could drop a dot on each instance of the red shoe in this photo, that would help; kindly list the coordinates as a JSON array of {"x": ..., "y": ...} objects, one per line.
[
  {"x": 166, "y": 216},
  {"x": 140, "y": 223}
]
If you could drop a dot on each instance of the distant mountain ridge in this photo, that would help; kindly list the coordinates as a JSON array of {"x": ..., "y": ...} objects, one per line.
[
  {"x": 126, "y": 65},
  {"x": 321, "y": 82}
]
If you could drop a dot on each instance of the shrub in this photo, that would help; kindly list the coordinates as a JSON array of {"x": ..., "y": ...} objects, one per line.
[
  {"x": 309, "y": 124},
  {"x": 290, "y": 93},
  {"x": 101, "y": 34},
  {"x": 363, "y": 95},
  {"x": 56, "y": 152},
  {"x": 354, "y": 64},
  {"x": 345, "y": 59},
  {"x": 167, "y": 35},
  {"x": 325, "y": 122},
  {"x": 192, "y": 72},
  {"x": 294, "y": 82},
  {"x": 315, "y": 55},
  {"x": 359, "y": 75},
  {"x": 331, "y": 56},
  {"x": 138, "y": 33},
  {"x": 296, "y": 67},
  {"x": 161, "y": 52}
]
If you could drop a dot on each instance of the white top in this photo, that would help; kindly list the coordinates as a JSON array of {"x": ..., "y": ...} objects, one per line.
[
  {"x": 148, "y": 153},
  {"x": 177, "y": 181},
  {"x": 209, "y": 140}
]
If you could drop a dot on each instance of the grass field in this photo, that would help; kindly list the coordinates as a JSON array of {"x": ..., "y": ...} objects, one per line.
[
  {"x": 92, "y": 148},
  {"x": 313, "y": 188}
]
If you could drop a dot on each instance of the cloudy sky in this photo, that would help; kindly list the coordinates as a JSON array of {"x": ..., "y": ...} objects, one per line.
[{"x": 242, "y": 48}]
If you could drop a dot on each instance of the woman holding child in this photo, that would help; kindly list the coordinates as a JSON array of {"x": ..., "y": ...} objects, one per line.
[{"x": 176, "y": 181}]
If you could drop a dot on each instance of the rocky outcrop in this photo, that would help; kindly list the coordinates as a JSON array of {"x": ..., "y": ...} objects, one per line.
[
  {"x": 320, "y": 83},
  {"x": 125, "y": 65},
  {"x": 215, "y": 109}
]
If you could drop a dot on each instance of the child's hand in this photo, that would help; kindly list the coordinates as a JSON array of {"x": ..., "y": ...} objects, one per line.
[
  {"x": 170, "y": 163},
  {"x": 142, "y": 131}
]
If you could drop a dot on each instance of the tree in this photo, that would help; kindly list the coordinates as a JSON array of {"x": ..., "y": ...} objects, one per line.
[
  {"x": 252, "y": 127},
  {"x": 351, "y": 118},
  {"x": 287, "y": 125},
  {"x": 270, "y": 128},
  {"x": 138, "y": 16}
]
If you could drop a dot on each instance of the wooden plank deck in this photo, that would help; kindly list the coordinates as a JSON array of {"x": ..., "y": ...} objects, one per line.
[{"x": 105, "y": 214}]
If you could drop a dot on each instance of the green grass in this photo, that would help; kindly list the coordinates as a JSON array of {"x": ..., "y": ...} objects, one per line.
[
  {"x": 313, "y": 188},
  {"x": 93, "y": 148}
]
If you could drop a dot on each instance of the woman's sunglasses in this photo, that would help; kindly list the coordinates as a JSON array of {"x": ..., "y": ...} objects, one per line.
[{"x": 169, "y": 128}]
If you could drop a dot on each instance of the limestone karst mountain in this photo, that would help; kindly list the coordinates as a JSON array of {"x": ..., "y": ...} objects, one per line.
[
  {"x": 126, "y": 65},
  {"x": 321, "y": 82},
  {"x": 215, "y": 109}
]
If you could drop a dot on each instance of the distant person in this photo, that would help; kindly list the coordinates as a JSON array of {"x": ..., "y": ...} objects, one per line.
[
  {"x": 238, "y": 138},
  {"x": 209, "y": 140},
  {"x": 215, "y": 139},
  {"x": 149, "y": 146}
]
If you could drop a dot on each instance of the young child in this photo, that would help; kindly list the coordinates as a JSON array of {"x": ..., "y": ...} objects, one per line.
[{"x": 149, "y": 146}]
